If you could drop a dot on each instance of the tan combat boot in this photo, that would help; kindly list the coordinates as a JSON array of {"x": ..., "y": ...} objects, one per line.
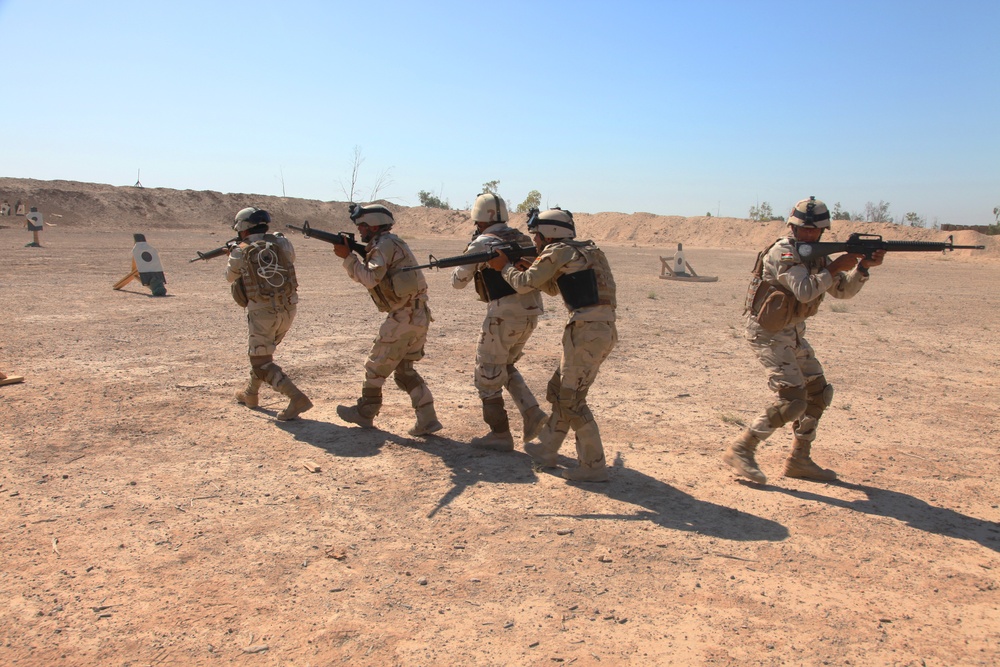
[
  {"x": 541, "y": 455},
  {"x": 499, "y": 442},
  {"x": 499, "y": 438},
  {"x": 297, "y": 401},
  {"x": 595, "y": 472},
  {"x": 366, "y": 409},
  {"x": 427, "y": 421},
  {"x": 248, "y": 395},
  {"x": 800, "y": 466},
  {"x": 534, "y": 420},
  {"x": 740, "y": 457}
]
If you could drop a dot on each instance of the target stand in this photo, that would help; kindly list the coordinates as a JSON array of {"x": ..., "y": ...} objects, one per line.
[
  {"x": 146, "y": 268},
  {"x": 676, "y": 267}
]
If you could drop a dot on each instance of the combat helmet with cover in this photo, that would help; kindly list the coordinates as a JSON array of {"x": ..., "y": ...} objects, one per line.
[
  {"x": 554, "y": 223},
  {"x": 810, "y": 213},
  {"x": 373, "y": 215},
  {"x": 490, "y": 208},
  {"x": 251, "y": 217}
]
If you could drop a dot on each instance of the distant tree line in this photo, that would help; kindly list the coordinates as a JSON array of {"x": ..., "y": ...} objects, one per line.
[
  {"x": 432, "y": 200},
  {"x": 873, "y": 213}
]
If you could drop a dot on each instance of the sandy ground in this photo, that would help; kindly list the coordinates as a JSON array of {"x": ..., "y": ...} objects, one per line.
[{"x": 147, "y": 519}]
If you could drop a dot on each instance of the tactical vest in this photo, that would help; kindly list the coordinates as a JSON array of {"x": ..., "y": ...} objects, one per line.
[
  {"x": 773, "y": 305},
  {"x": 396, "y": 287},
  {"x": 489, "y": 283},
  {"x": 591, "y": 286},
  {"x": 267, "y": 273}
]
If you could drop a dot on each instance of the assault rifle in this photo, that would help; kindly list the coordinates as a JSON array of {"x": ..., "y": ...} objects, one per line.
[
  {"x": 218, "y": 252},
  {"x": 867, "y": 244},
  {"x": 340, "y": 238},
  {"x": 513, "y": 251}
]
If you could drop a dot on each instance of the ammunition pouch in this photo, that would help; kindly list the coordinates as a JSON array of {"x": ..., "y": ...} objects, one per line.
[
  {"x": 579, "y": 289},
  {"x": 239, "y": 292},
  {"x": 773, "y": 306},
  {"x": 490, "y": 285}
]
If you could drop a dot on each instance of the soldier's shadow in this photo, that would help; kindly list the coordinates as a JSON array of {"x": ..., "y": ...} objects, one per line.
[
  {"x": 468, "y": 466},
  {"x": 661, "y": 503},
  {"x": 339, "y": 440},
  {"x": 671, "y": 508},
  {"x": 908, "y": 509}
]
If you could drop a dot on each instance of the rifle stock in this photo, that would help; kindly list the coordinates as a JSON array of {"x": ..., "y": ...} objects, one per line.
[
  {"x": 338, "y": 238},
  {"x": 867, "y": 244}
]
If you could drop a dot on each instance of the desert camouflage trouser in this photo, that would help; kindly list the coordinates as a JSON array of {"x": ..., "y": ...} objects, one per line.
[
  {"x": 501, "y": 344},
  {"x": 267, "y": 326},
  {"x": 585, "y": 347},
  {"x": 399, "y": 343},
  {"x": 793, "y": 372}
]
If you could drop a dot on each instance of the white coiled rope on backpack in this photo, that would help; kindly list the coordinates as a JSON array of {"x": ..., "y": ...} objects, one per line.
[{"x": 268, "y": 268}]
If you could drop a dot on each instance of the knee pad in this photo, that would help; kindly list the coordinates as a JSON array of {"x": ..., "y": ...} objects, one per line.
[
  {"x": 406, "y": 377},
  {"x": 791, "y": 405},
  {"x": 820, "y": 396}
]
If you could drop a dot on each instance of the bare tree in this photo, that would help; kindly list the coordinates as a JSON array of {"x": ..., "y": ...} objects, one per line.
[
  {"x": 382, "y": 181},
  {"x": 353, "y": 188},
  {"x": 355, "y": 170},
  {"x": 877, "y": 212}
]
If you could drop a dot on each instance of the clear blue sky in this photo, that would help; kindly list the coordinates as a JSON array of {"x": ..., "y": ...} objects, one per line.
[{"x": 666, "y": 107}]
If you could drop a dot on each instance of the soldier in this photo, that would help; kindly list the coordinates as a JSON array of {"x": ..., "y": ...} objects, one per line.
[
  {"x": 784, "y": 292},
  {"x": 261, "y": 269},
  {"x": 579, "y": 271},
  {"x": 511, "y": 317},
  {"x": 401, "y": 338}
]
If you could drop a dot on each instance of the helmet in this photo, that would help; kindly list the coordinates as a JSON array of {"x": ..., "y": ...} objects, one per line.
[
  {"x": 810, "y": 213},
  {"x": 554, "y": 223},
  {"x": 251, "y": 217},
  {"x": 375, "y": 215},
  {"x": 489, "y": 208}
]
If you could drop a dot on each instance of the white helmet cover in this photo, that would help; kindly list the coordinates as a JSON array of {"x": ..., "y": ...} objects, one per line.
[
  {"x": 554, "y": 223},
  {"x": 810, "y": 213},
  {"x": 250, "y": 217},
  {"x": 489, "y": 208},
  {"x": 373, "y": 215}
]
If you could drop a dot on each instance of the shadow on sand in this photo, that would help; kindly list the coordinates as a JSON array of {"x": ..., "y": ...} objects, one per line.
[
  {"x": 912, "y": 511},
  {"x": 661, "y": 503},
  {"x": 468, "y": 466},
  {"x": 671, "y": 508}
]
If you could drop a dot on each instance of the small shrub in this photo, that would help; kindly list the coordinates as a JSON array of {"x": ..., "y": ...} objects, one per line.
[
  {"x": 430, "y": 200},
  {"x": 732, "y": 419}
]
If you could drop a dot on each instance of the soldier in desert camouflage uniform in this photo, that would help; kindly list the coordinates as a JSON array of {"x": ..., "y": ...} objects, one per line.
[
  {"x": 511, "y": 317},
  {"x": 261, "y": 269},
  {"x": 579, "y": 272},
  {"x": 401, "y": 338},
  {"x": 785, "y": 292}
]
